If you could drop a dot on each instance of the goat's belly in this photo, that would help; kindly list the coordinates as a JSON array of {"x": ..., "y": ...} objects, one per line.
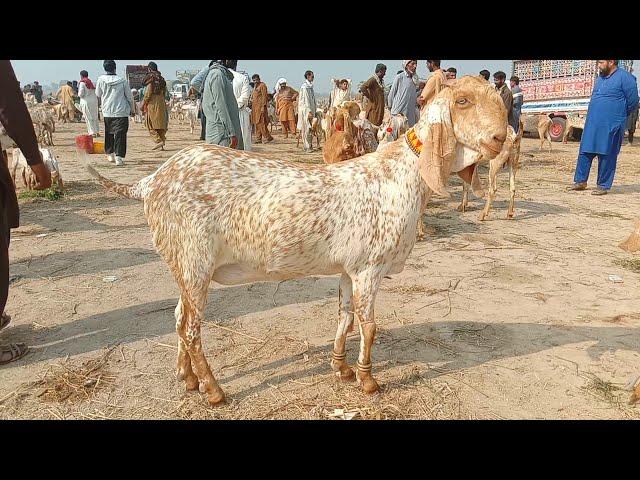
[
  {"x": 237, "y": 273},
  {"x": 237, "y": 267}
]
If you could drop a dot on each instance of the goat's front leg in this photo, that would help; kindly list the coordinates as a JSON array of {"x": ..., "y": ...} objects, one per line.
[
  {"x": 512, "y": 190},
  {"x": 420, "y": 231},
  {"x": 345, "y": 325},
  {"x": 465, "y": 197},
  {"x": 494, "y": 167},
  {"x": 365, "y": 287}
]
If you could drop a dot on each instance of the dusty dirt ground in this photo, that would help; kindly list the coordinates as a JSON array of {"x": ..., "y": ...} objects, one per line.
[{"x": 504, "y": 319}]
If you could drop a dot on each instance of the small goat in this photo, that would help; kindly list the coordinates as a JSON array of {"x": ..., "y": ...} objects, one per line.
[
  {"x": 544, "y": 130},
  {"x": 508, "y": 156}
]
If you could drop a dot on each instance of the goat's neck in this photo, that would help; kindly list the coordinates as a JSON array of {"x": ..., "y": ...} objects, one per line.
[{"x": 405, "y": 164}]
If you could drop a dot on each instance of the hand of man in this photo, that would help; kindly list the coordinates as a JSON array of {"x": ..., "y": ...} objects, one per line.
[
  {"x": 43, "y": 176},
  {"x": 234, "y": 142}
]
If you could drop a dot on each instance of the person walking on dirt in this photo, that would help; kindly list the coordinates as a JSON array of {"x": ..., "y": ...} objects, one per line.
[
  {"x": 154, "y": 106},
  {"x": 117, "y": 104},
  {"x": 614, "y": 97},
  {"x": 16, "y": 120}
]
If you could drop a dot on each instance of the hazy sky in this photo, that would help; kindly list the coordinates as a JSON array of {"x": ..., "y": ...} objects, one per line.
[{"x": 47, "y": 71}]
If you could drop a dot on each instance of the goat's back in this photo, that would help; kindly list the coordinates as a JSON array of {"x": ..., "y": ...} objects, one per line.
[{"x": 276, "y": 215}]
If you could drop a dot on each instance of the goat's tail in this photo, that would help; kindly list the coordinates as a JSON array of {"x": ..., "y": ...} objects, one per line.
[{"x": 129, "y": 191}]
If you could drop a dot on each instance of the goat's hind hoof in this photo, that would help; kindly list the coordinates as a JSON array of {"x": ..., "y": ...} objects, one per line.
[
  {"x": 191, "y": 381},
  {"x": 192, "y": 384},
  {"x": 216, "y": 398}
]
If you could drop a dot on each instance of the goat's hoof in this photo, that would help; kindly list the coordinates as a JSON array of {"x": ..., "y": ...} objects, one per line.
[
  {"x": 346, "y": 374},
  {"x": 216, "y": 397},
  {"x": 191, "y": 379},
  {"x": 192, "y": 383},
  {"x": 369, "y": 385},
  {"x": 461, "y": 208}
]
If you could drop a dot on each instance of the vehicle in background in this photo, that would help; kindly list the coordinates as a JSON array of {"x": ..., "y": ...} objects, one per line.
[{"x": 558, "y": 88}]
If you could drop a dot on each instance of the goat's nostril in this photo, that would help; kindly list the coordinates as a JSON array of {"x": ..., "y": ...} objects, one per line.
[{"x": 500, "y": 138}]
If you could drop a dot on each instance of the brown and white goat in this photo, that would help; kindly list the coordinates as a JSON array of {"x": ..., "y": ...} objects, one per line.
[
  {"x": 19, "y": 168},
  {"x": 348, "y": 137},
  {"x": 573, "y": 121},
  {"x": 238, "y": 217},
  {"x": 544, "y": 130}
]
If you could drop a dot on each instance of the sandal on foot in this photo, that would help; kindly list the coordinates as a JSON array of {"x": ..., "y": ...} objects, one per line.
[
  {"x": 4, "y": 320},
  {"x": 11, "y": 352},
  {"x": 577, "y": 187}
]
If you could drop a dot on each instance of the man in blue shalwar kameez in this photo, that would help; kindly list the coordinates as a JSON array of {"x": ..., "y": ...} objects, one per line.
[{"x": 614, "y": 96}]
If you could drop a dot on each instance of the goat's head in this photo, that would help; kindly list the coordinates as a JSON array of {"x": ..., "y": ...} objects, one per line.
[
  {"x": 470, "y": 112},
  {"x": 352, "y": 107}
]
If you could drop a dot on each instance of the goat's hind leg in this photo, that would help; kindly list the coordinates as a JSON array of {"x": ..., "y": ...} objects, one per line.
[
  {"x": 194, "y": 301},
  {"x": 345, "y": 325},
  {"x": 184, "y": 371},
  {"x": 193, "y": 272}
]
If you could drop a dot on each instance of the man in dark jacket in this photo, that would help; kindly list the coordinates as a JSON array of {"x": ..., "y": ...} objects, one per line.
[{"x": 16, "y": 120}]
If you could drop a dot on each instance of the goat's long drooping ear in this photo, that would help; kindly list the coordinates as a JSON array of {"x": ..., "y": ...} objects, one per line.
[{"x": 439, "y": 148}]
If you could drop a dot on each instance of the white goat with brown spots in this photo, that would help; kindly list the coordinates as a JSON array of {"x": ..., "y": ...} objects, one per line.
[{"x": 237, "y": 217}]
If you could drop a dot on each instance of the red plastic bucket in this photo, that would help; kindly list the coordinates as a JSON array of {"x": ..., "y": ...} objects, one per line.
[{"x": 85, "y": 142}]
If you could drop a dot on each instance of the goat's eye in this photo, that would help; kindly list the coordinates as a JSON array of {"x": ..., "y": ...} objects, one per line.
[{"x": 462, "y": 101}]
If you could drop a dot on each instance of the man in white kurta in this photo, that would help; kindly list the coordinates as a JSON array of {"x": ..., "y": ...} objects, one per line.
[
  {"x": 306, "y": 109},
  {"x": 89, "y": 105},
  {"x": 242, "y": 92}
]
